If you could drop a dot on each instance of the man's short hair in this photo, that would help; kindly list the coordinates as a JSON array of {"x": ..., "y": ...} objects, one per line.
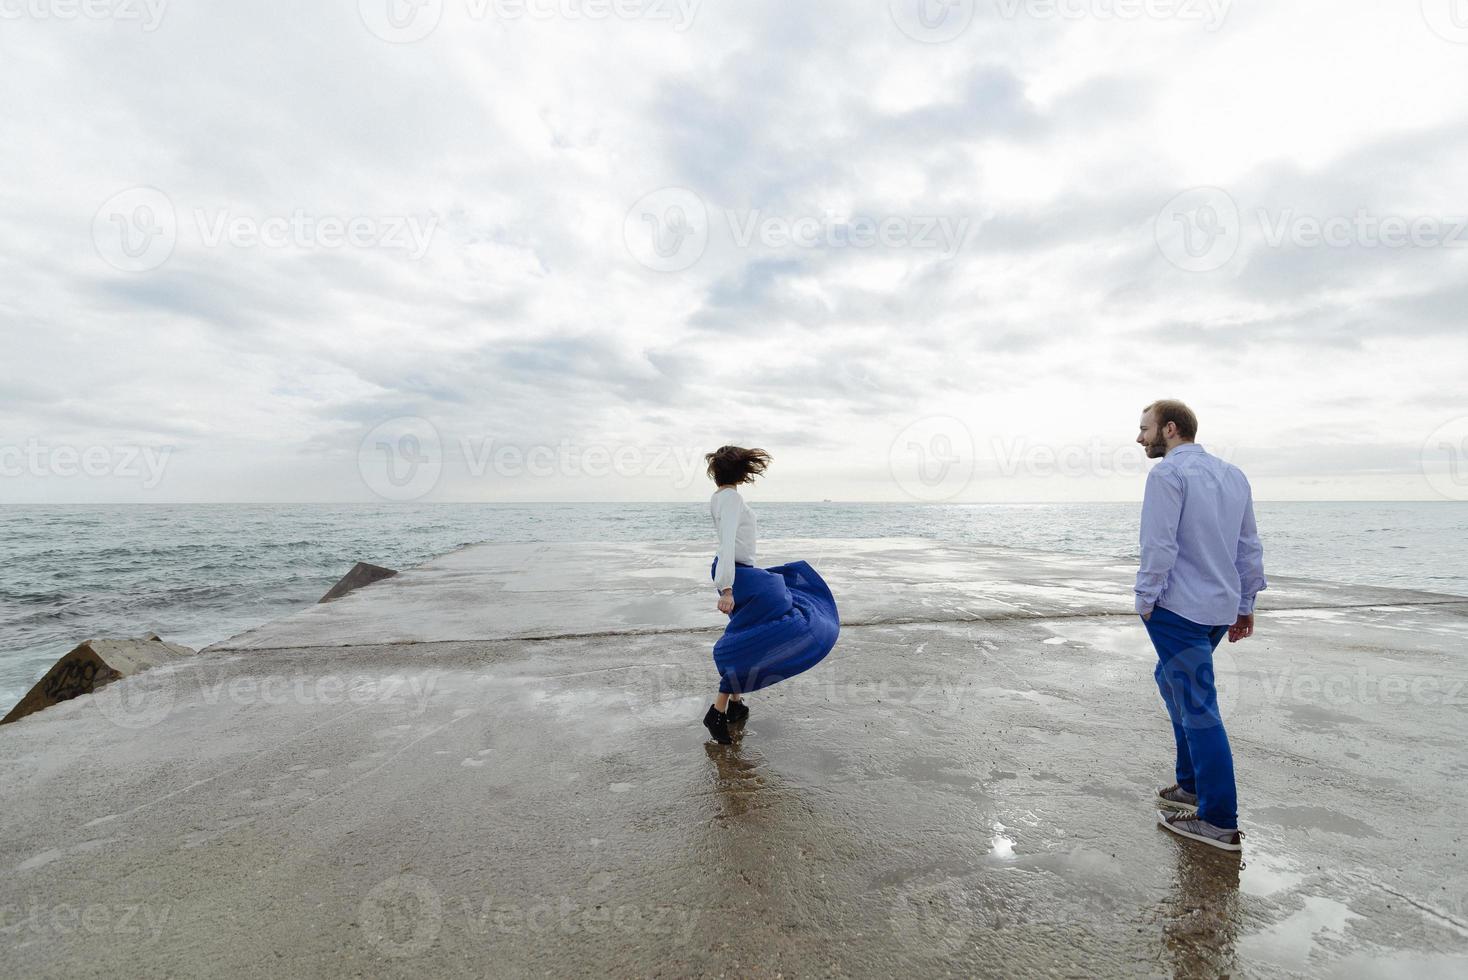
[{"x": 1166, "y": 410}]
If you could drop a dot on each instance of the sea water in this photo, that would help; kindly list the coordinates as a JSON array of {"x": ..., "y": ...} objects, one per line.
[{"x": 197, "y": 574}]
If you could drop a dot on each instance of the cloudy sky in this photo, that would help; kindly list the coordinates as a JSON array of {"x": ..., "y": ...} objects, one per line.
[{"x": 557, "y": 249}]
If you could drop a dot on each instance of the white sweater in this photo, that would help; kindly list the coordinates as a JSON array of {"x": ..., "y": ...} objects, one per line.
[{"x": 734, "y": 524}]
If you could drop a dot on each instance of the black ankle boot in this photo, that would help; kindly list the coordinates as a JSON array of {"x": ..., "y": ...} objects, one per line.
[
  {"x": 718, "y": 725},
  {"x": 738, "y": 711}
]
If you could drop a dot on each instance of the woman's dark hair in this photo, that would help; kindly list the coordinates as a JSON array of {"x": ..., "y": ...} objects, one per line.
[{"x": 733, "y": 465}]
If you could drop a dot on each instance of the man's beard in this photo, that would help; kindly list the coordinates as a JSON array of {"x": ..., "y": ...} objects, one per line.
[{"x": 1156, "y": 450}]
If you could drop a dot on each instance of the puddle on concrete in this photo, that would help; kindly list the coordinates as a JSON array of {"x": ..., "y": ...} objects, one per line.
[
  {"x": 567, "y": 701},
  {"x": 817, "y": 764},
  {"x": 1001, "y": 845},
  {"x": 1400, "y": 966},
  {"x": 1033, "y": 696},
  {"x": 1315, "y": 818},
  {"x": 1290, "y": 943},
  {"x": 1126, "y": 639},
  {"x": 941, "y": 771},
  {"x": 739, "y": 784},
  {"x": 1128, "y": 797},
  {"x": 1263, "y": 873},
  {"x": 676, "y": 712},
  {"x": 1080, "y": 870},
  {"x": 1323, "y": 615},
  {"x": 1313, "y": 718},
  {"x": 659, "y": 611},
  {"x": 39, "y": 860}
]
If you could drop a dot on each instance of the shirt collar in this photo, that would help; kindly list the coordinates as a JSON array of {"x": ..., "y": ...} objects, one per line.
[{"x": 1187, "y": 447}]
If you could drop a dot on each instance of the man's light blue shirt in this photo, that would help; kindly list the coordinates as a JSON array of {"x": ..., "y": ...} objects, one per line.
[{"x": 1201, "y": 556}]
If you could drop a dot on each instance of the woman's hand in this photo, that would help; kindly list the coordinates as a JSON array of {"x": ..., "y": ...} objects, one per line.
[{"x": 726, "y": 601}]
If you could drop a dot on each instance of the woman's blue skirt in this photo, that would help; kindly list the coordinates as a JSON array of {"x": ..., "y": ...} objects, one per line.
[{"x": 784, "y": 623}]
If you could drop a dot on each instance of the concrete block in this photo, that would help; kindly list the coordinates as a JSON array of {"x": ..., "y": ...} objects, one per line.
[
  {"x": 92, "y": 665},
  {"x": 361, "y": 575}
]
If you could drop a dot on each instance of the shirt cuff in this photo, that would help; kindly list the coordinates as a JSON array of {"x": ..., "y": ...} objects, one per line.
[
  {"x": 1143, "y": 607},
  {"x": 1246, "y": 606}
]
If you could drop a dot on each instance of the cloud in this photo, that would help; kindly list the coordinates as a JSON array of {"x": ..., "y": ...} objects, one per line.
[{"x": 896, "y": 231}]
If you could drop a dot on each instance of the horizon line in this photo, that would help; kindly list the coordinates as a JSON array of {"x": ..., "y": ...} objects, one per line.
[{"x": 533, "y": 503}]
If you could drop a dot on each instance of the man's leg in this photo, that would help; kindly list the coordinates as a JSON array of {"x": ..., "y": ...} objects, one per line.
[
  {"x": 1222, "y": 806},
  {"x": 1187, "y": 666},
  {"x": 1184, "y": 765}
]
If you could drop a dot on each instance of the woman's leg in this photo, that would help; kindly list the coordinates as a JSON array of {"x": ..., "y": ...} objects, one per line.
[
  {"x": 738, "y": 710},
  {"x": 721, "y": 703}
]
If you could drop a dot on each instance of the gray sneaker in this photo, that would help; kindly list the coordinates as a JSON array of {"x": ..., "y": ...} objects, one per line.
[
  {"x": 1188, "y": 825},
  {"x": 1174, "y": 797}
]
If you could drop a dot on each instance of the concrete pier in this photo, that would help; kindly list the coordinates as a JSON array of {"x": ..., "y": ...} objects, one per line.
[{"x": 492, "y": 765}]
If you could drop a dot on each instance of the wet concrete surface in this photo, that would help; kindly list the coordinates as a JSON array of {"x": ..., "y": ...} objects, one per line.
[
  {"x": 548, "y": 590},
  {"x": 963, "y": 796}
]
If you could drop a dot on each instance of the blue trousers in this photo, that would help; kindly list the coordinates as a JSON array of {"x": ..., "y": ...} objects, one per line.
[{"x": 1205, "y": 765}]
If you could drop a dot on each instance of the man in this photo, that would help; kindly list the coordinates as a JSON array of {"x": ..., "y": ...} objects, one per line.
[{"x": 1202, "y": 566}]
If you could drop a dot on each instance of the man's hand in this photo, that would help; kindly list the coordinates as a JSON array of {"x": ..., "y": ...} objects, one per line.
[
  {"x": 1242, "y": 629},
  {"x": 726, "y": 601}
]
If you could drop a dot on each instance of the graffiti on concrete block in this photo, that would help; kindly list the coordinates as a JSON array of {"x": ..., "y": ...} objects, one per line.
[{"x": 76, "y": 677}]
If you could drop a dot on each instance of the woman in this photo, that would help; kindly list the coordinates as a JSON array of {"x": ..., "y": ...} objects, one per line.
[{"x": 782, "y": 620}]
